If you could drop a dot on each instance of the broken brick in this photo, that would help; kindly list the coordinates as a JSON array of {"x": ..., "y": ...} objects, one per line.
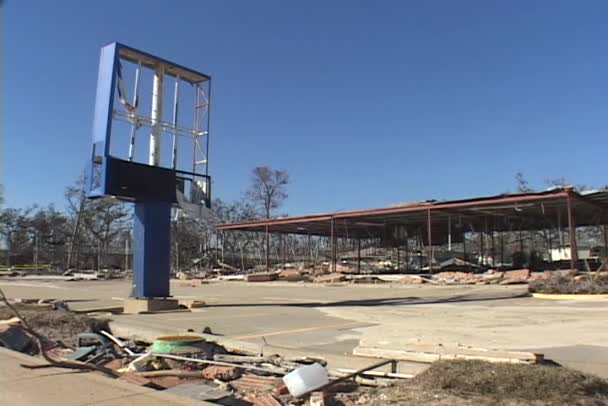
[
  {"x": 317, "y": 399},
  {"x": 167, "y": 381},
  {"x": 520, "y": 274},
  {"x": 261, "y": 277},
  {"x": 255, "y": 384},
  {"x": 280, "y": 390},
  {"x": 221, "y": 373},
  {"x": 411, "y": 279},
  {"x": 266, "y": 400},
  {"x": 290, "y": 275},
  {"x": 331, "y": 278}
]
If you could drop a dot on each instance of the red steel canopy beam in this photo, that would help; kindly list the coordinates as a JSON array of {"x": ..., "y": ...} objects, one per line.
[{"x": 398, "y": 210}]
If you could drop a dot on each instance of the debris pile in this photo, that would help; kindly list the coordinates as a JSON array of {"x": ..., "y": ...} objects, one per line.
[
  {"x": 191, "y": 365},
  {"x": 481, "y": 383},
  {"x": 595, "y": 283},
  {"x": 490, "y": 277}
]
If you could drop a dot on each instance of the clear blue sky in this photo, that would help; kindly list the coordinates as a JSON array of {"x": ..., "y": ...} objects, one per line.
[{"x": 365, "y": 103}]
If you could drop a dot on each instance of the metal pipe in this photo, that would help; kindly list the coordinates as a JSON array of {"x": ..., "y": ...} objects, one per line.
[
  {"x": 135, "y": 104},
  {"x": 351, "y": 375},
  {"x": 572, "y": 234},
  {"x": 209, "y": 362},
  {"x": 175, "y": 113},
  {"x": 157, "y": 117}
]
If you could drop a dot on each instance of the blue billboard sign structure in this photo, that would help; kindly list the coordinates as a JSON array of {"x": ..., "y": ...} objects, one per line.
[{"x": 150, "y": 150}]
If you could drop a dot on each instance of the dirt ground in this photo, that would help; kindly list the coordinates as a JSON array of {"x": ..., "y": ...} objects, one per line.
[{"x": 56, "y": 325}]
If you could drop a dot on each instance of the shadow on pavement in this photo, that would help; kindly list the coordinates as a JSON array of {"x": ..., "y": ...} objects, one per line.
[{"x": 391, "y": 301}]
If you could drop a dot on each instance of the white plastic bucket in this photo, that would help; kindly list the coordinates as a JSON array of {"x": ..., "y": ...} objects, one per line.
[{"x": 306, "y": 379}]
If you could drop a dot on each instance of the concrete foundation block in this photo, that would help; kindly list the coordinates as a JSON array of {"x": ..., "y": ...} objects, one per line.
[{"x": 134, "y": 306}]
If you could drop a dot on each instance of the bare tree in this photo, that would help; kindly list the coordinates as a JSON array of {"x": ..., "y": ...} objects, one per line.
[
  {"x": 104, "y": 221},
  {"x": 76, "y": 197},
  {"x": 268, "y": 188},
  {"x": 523, "y": 186},
  {"x": 14, "y": 228}
]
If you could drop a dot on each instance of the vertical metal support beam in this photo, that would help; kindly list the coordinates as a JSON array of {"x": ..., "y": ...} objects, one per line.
[
  {"x": 407, "y": 254},
  {"x": 419, "y": 240},
  {"x": 197, "y": 127},
  {"x": 550, "y": 246},
  {"x": 174, "y": 123},
  {"x": 223, "y": 244},
  {"x": 309, "y": 249},
  {"x": 482, "y": 242},
  {"x": 151, "y": 262},
  {"x": 282, "y": 248},
  {"x": 605, "y": 240},
  {"x": 449, "y": 233},
  {"x": 135, "y": 104},
  {"x": 559, "y": 229},
  {"x": 464, "y": 245},
  {"x": 572, "y": 233},
  {"x": 333, "y": 247},
  {"x": 493, "y": 245},
  {"x": 430, "y": 241},
  {"x": 502, "y": 247},
  {"x": 398, "y": 260},
  {"x": 267, "y": 249},
  {"x": 156, "y": 117},
  {"x": 127, "y": 253},
  {"x": 208, "y": 130},
  {"x": 359, "y": 254}
]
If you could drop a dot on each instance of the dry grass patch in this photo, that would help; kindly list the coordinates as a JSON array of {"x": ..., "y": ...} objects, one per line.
[
  {"x": 588, "y": 284},
  {"x": 483, "y": 383}
]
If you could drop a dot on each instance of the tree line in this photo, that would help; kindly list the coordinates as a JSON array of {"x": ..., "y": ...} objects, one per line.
[{"x": 97, "y": 233}]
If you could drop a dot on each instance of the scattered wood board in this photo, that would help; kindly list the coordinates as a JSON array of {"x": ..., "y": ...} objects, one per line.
[{"x": 428, "y": 353}]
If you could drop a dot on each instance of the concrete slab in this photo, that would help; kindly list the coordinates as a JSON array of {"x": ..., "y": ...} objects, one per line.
[
  {"x": 60, "y": 387},
  {"x": 199, "y": 391},
  {"x": 311, "y": 317}
]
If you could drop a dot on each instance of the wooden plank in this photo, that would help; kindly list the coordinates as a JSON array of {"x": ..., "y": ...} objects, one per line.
[{"x": 428, "y": 354}]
